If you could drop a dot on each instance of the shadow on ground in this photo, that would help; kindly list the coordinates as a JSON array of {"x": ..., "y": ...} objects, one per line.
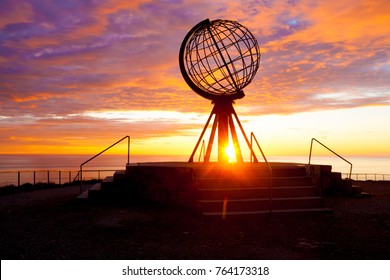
[{"x": 52, "y": 224}]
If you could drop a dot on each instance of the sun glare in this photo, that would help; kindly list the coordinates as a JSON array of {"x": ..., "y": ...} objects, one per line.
[{"x": 230, "y": 152}]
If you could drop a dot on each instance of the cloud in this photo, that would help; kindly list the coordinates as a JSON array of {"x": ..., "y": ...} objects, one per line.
[{"x": 63, "y": 58}]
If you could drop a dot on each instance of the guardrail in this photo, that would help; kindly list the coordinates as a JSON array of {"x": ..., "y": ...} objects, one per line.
[
  {"x": 368, "y": 176},
  {"x": 95, "y": 156},
  {"x": 323, "y": 145},
  {"x": 19, "y": 177},
  {"x": 253, "y": 137}
]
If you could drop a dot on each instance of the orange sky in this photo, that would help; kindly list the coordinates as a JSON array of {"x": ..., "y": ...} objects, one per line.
[{"x": 75, "y": 76}]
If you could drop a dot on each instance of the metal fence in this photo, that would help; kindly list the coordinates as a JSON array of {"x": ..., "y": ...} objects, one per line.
[
  {"x": 18, "y": 178},
  {"x": 368, "y": 176}
]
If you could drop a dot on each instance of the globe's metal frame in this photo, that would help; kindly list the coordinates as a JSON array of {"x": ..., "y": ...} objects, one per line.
[{"x": 217, "y": 60}]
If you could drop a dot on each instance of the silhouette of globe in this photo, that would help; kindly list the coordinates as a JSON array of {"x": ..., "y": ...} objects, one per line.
[{"x": 219, "y": 58}]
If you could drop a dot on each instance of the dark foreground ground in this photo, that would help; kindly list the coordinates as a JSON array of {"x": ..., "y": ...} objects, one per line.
[{"x": 52, "y": 224}]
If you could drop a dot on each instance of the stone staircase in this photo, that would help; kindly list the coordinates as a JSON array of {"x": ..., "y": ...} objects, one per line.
[
  {"x": 251, "y": 191},
  {"x": 232, "y": 190},
  {"x": 111, "y": 187}
]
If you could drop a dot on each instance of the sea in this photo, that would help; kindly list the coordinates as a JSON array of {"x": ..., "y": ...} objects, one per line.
[{"x": 18, "y": 169}]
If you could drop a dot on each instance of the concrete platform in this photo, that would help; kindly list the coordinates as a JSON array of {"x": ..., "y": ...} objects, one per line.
[{"x": 231, "y": 189}]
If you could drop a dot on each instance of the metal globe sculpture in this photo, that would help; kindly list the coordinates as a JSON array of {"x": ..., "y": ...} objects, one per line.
[{"x": 219, "y": 58}]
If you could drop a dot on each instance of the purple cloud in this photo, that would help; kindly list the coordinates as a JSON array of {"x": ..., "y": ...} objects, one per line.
[{"x": 59, "y": 58}]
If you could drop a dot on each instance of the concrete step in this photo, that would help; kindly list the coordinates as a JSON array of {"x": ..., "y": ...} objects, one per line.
[
  {"x": 107, "y": 183},
  {"x": 293, "y": 171},
  {"x": 119, "y": 175},
  {"x": 292, "y": 181},
  {"x": 336, "y": 175},
  {"x": 255, "y": 192},
  {"x": 111, "y": 187},
  {"x": 229, "y": 172},
  {"x": 264, "y": 212},
  {"x": 247, "y": 171},
  {"x": 224, "y": 183},
  {"x": 95, "y": 192},
  {"x": 259, "y": 204},
  {"x": 232, "y": 183}
]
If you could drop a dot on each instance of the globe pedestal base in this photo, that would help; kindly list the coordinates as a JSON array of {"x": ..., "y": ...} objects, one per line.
[{"x": 224, "y": 115}]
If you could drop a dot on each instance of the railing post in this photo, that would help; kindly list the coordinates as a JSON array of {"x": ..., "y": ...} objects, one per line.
[
  {"x": 308, "y": 165},
  {"x": 311, "y": 147},
  {"x": 251, "y": 142},
  {"x": 34, "y": 177},
  {"x": 81, "y": 178},
  {"x": 269, "y": 168},
  {"x": 128, "y": 149},
  {"x": 59, "y": 177},
  {"x": 18, "y": 178}
]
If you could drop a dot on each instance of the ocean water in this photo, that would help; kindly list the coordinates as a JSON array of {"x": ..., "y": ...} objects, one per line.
[
  {"x": 73, "y": 162},
  {"x": 63, "y": 168}
]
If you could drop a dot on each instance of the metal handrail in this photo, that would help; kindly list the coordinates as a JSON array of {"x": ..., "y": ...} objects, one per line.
[
  {"x": 95, "y": 156},
  {"x": 269, "y": 168},
  {"x": 311, "y": 147},
  {"x": 258, "y": 145}
]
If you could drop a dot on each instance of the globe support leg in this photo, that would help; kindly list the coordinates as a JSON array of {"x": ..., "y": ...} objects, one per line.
[
  {"x": 201, "y": 137},
  {"x": 211, "y": 140},
  {"x": 236, "y": 145},
  {"x": 245, "y": 137}
]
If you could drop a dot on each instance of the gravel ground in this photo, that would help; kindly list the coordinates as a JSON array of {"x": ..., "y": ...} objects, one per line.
[{"x": 53, "y": 224}]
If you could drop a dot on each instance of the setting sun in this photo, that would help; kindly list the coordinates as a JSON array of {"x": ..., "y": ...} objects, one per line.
[{"x": 230, "y": 152}]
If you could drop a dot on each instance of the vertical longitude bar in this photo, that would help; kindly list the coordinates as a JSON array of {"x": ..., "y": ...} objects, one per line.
[{"x": 222, "y": 57}]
